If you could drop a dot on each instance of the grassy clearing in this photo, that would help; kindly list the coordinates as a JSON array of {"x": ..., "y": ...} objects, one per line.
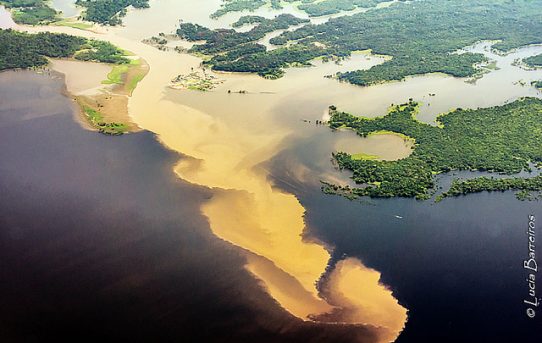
[
  {"x": 129, "y": 75},
  {"x": 74, "y": 24},
  {"x": 97, "y": 120},
  {"x": 363, "y": 156},
  {"x": 115, "y": 77}
]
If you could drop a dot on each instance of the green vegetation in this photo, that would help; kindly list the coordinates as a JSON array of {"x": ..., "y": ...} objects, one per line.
[
  {"x": 423, "y": 36},
  {"x": 327, "y": 7},
  {"x": 314, "y": 8},
  {"x": 195, "y": 81},
  {"x": 227, "y": 46},
  {"x": 237, "y": 6},
  {"x": 491, "y": 184},
  {"x": 100, "y": 51},
  {"x": 362, "y": 156},
  {"x": 133, "y": 81},
  {"x": 24, "y": 50},
  {"x": 72, "y": 23},
  {"x": 118, "y": 75},
  {"x": 247, "y": 20},
  {"x": 34, "y": 12},
  {"x": 220, "y": 41},
  {"x": 96, "y": 119},
  {"x": 534, "y": 61},
  {"x": 30, "y": 12},
  {"x": 109, "y": 12},
  {"x": 538, "y": 84},
  {"x": 501, "y": 139}
]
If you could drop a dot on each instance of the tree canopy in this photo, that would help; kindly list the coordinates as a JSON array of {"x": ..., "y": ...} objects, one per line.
[
  {"x": 501, "y": 139},
  {"x": 423, "y": 36}
]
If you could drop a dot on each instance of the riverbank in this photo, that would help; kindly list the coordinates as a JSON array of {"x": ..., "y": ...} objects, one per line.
[{"x": 103, "y": 96}]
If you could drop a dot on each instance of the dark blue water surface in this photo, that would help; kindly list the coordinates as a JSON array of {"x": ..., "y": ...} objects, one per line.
[
  {"x": 456, "y": 265},
  {"x": 100, "y": 241}
]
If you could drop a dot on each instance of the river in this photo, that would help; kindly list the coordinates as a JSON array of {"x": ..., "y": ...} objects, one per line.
[{"x": 243, "y": 145}]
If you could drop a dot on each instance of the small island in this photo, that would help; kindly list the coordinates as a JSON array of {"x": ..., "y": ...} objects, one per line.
[
  {"x": 502, "y": 139},
  {"x": 534, "y": 61},
  {"x": 108, "y": 12},
  {"x": 196, "y": 80}
]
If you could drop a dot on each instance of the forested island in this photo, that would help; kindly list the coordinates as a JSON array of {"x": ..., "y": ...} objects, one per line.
[
  {"x": 525, "y": 186},
  {"x": 327, "y": 7},
  {"x": 502, "y": 139},
  {"x": 314, "y": 8},
  {"x": 534, "y": 61},
  {"x": 108, "y": 12},
  {"x": 422, "y": 37},
  {"x": 227, "y": 45},
  {"x": 30, "y": 12}
]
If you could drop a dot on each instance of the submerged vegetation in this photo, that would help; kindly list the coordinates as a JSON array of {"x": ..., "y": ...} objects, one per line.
[
  {"x": 198, "y": 81},
  {"x": 424, "y": 36},
  {"x": 503, "y": 139}
]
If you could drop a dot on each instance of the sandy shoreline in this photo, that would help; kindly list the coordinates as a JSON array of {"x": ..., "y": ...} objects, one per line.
[{"x": 85, "y": 84}]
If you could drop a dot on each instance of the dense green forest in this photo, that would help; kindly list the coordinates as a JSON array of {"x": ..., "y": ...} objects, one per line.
[
  {"x": 238, "y": 5},
  {"x": 502, "y": 139},
  {"x": 34, "y": 12},
  {"x": 314, "y": 8},
  {"x": 229, "y": 45},
  {"x": 24, "y": 50},
  {"x": 327, "y": 7},
  {"x": 422, "y": 37},
  {"x": 30, "y": 12},
  {"x": 109, "y": 12},
  {"x": 491, "y": 184},
  {"x": 534, "y": 61}
]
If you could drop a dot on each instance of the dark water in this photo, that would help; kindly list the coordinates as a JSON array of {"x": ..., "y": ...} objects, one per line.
[
  {"x": 456, "y": 265},
  {"x": 100, "y": 241}
]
